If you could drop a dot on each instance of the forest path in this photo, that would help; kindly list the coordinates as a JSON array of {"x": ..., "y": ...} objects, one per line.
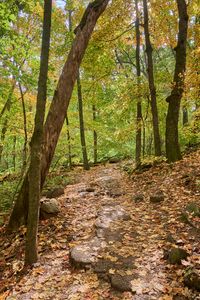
[{"x": 124, "y": 257}]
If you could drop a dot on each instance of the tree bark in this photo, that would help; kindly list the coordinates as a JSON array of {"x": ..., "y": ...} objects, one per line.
[
  {"x": 67, "y": 119},
  {"x": 185, "y": 116},
  {"x": 14, "y": 152},
  {"x": 31, "y": 253},
  {"x": 95, "y": 137},
  {"x": 81, "y": 122},
  {"x": 152, "y": 88},
  {"x": 24, "y": 157},
  {"x": 138, "y": 147},
  {"x": 58, "y": 108},
  {"x": 173, "y": 152},
  {"x": 69, "y": 142}
]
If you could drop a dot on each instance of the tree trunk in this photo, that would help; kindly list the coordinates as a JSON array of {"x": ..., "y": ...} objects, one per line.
[
  {"x": 60, "y": 102},
  {"x": 94, "y": 135},
  {"x": 14, "y": 152},
  {"x": 31, "y": 254},
  {"x": 24, "y": 157},
  {"x": 144, "y": 139},
  {"x": 69, "y": 142},
  {"x": 81, "y": 121},
  {"x": 185, "y": 116},
  {"x": 152, "y": 88},
  {"x": 173, "y": 152},
  {"x": 138, "y": 148},
  {"x": 67, "y": 119}
]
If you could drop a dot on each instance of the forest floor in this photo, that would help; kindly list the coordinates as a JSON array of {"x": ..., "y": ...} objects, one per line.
[{"x": 127, "y": 224}]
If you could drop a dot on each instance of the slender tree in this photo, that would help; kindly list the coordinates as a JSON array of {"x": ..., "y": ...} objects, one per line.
[
  {"x": 152, "y": 88},
  {"x": 138, "y": 148},
  {"x": 173, "y": 152},
  {"x": 81, "y": 122},
  {"x": 24, "y": 160},
  {"x": 31, "y": 254},
  {"x": 58, "y": 108},
  {"x": 69, "y": 10},
  {"x": 69, "y": 142},
  {"x": 95, "y": 137}
]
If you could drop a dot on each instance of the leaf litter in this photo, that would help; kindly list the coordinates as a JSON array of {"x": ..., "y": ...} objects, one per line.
[{"x": 145, "y": 238}]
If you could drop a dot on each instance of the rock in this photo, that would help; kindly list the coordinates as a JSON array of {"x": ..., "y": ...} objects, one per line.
[
  {"x": 90, "y": 189},
  {"x": 57, "y": 192},
  {"x": 83, "y": 194},
  {"x": 86, "y": 253},
  {"x": 127, "y": 262},
  {"x": 86, "y": 189},
  {"x": 175, "y": 255},
  {"x": 49, "y": 208},
  {"x": 114, "y": 160},
  {"x": 193, "y": 208},
  {"x": 109, "y": 214},
  {"x": 138, "y": 197},
  {"x": 192, "y": 280},
  {"x": 111, "y": 185},
  {"x": 102, "y": 268},
  {"x": 111, "y": 236},
  {"x": 157, "y": 198},
  {"x": 122, "y": 283}
]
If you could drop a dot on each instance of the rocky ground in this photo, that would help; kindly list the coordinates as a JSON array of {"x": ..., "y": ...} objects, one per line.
[{"x": 115, "y": 237}]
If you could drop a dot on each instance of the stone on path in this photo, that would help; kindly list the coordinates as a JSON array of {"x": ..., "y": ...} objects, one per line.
[
  {"x": 110, "y": 235},
  {"x": 109, "y": 214},
  {"x": 56, "y": 192},
  {"x": 175, "y": 255},
  {"x": 192, "y": 280},
  {"x": 122, "y": 283},
  {"x": 157, "y": 197},
  {"x": 111, "y": 185},
  {"x": 86, "y": 253},
  {"x": 138, "y": 198},
  {"x": 49, "y": 208}
]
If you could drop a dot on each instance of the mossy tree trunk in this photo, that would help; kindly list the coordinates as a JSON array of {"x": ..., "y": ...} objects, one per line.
[{"x": 173, "y": 152}]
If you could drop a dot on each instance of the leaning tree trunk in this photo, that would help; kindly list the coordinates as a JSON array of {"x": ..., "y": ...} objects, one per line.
[
  {"x": 138, "y": 147},
  {"x": 152, "y": 88},
  {"x": 173, "y": 152},
  {"x": 81, "y": 122},
  {"x": 57, "y": 111}
]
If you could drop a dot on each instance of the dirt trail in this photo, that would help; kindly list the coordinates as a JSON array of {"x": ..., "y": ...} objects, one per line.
[{"x": 129, "y": 265}]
